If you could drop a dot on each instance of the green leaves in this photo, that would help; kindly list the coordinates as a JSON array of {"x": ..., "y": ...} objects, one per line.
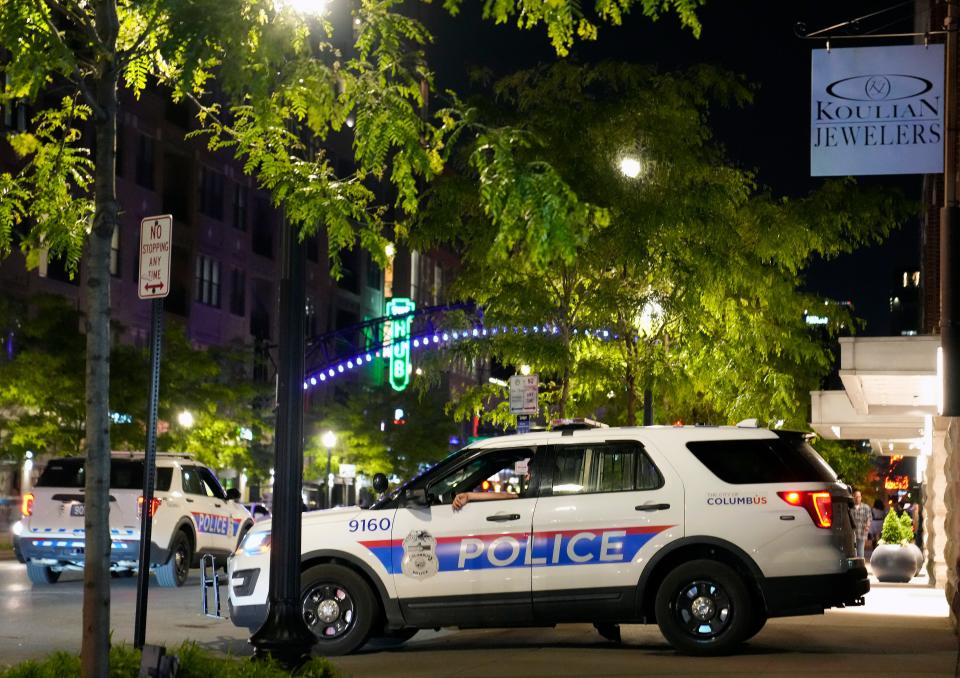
[{"x": 552, "y": 232}]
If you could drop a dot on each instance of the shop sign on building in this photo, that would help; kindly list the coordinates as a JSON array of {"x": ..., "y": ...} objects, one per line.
[
  {"x": 396, "y": 341},
  {"x": 877, "y": 110}
]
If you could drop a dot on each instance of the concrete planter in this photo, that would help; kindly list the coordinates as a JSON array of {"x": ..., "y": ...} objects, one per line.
[
  {"x": 917, "y": 555},
  {"x": 895, "y": 563}
]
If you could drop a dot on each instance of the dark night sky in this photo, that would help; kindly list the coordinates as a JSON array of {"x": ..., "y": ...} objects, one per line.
[{"x": 755, "y": 38}]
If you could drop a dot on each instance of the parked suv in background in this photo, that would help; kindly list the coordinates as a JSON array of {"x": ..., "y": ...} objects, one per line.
[
  {"x": 192, "y": 515},
  {"x": 706, "y": 531}
]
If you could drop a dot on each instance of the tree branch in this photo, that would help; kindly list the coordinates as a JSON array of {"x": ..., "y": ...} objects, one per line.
[
  {"x": 77, "y": 78},
  {"x": 83, "y": 23},
  {"x": 125, "y": 56}
]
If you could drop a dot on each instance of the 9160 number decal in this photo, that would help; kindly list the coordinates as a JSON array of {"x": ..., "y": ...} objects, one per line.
[{"x": 369, "y": 525}]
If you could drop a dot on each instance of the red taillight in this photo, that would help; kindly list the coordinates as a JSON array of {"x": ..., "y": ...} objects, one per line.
[
  {"x": 26, "y": 505},
  {"x": 818, "y": 504},
  {"x": 154, "y": 505}
]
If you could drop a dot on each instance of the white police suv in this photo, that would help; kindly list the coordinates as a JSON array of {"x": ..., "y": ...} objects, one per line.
[
  {"x": 707, "y": 531},
  {"x": 192, "y": 516}
]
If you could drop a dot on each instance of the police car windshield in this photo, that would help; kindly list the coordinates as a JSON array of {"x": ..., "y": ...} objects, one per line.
[{"x": 451, "y": 458}]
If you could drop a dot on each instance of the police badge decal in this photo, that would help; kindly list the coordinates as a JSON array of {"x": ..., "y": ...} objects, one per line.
[{"x": 419, "y": 555}]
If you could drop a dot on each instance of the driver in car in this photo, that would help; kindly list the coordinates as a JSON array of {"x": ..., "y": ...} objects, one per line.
[{"x": 463, "y": 498}]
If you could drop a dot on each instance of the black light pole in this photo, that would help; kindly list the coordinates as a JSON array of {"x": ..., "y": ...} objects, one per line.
[
  {"x": 949, "y": 238},
  {"x": 284, "y": 635}
]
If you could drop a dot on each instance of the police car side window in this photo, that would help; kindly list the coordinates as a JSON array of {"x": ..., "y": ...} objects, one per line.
[
  {"x": 191, "y": 481},
  {"x": 211, "y": 485},
  {"x": 604, "y": 467},
  {"x": 492, "y": 472}
]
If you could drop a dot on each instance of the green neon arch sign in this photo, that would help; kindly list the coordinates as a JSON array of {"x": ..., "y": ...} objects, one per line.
[{"x": 396, "y": 337}]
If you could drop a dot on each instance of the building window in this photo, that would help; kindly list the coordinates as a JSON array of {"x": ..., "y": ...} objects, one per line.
[
  {"x": 14, "y": 111},
  {"x": 211, "y": 193},
  {"x": 240, "y": 207},
  {"x": 115, "y": 251},
  {"x": 312, "y": 244},
  {"x": 238, "y": 292},
  {"x": 374, "y": 276},
  {"x": 145, "y": 164},
  {"x": 262, "y": 243},
  {"x": 208, "y": 281}
]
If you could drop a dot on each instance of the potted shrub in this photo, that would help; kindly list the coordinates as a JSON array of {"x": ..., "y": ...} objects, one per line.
[{"x": 896, "y": 559}]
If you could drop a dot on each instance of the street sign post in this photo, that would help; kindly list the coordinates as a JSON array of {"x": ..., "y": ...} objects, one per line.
[
  {"x": 154, "y": 283},
  {"x": 156, "y": 242},
  {"x": 523, "y": 393}
]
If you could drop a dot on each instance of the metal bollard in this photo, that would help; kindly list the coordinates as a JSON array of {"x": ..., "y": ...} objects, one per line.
[{"x": 210, "y": 581}]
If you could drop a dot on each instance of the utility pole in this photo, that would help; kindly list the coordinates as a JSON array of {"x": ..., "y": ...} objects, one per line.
[
  {"x": 949, "y": 222},
  {"x": 284, "y": 635}
]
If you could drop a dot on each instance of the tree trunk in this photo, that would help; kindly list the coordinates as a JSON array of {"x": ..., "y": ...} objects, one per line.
[
  {"x": 631, "y": 383},
  {"x": 95, "y": 645}
]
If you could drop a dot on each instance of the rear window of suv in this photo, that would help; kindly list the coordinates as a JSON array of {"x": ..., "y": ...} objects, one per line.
[
  {"x": 777, "y": 460},
  {"x": 124, "y": 475}
]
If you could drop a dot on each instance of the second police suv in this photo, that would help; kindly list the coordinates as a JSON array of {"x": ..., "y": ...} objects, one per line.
[{"x": 705, "y": 531}]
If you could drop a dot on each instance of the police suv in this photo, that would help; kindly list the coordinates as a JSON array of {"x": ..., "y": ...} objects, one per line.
[
  {"x": 706, "y": 531},
  {"x": 192, "y": 516}
]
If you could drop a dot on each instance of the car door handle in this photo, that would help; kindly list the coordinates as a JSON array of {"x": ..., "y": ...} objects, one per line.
[
  {"x": 788, "y": 517},
  {"x": 217, "y": 505},
  {"x": 503, "y": 517},
  {"x": 652, "y": 507},
  {"x": 189, "y": 499}
]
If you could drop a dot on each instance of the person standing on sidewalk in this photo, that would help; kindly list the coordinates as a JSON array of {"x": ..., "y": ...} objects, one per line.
[{"x": 862, "y": 516}]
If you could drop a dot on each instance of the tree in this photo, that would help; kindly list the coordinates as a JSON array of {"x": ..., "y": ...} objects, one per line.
[
  {"x": 44, "y": 415},
  {"x": 264, "y": 79},
  {"x": 687, "y": 275},
  {"x": 370, "y": 437}
]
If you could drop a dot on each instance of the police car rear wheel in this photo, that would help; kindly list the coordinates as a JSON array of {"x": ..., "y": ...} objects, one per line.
[
  {"x": 338, "y": 607},
  {"x": 42, "y": 574},
  {"x": 703, "y": 608},
  {"x": 173, "y": 573}
]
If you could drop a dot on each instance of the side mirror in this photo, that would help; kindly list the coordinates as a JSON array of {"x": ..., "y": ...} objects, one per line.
[
  {"x": 233, "y": 494},
  {"x": 380, "y": 483},
  {"x": 415, "y": 497}
]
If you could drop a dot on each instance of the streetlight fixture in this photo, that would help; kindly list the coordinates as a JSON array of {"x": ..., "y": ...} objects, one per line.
[
  {"x": 185, "y": 419},
  {"x": 630, "y": 166},
  {"x": 329, "y": 440}
]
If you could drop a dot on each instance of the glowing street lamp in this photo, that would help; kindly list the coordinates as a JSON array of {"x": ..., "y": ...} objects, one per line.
[
  {"x": 329, "y": 440},
  {"x": 185, "y": 419},
  {"x": 630, "y": 166}
]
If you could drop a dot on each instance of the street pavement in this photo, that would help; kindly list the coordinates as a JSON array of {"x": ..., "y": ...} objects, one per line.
[{"x": 902, "y": 631}]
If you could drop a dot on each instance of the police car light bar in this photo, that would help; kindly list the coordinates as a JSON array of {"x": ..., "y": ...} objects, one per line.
[{"x": 575, "y": 424}]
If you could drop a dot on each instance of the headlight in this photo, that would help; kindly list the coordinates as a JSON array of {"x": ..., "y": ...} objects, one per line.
[
  {"x": 17, "y": 528},
  {"x": 255, "y": 543}
]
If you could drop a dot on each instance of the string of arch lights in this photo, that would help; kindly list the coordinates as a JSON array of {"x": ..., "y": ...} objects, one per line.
[{"x": 441, "y": 339}]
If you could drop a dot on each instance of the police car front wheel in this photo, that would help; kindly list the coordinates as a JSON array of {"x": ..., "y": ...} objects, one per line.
[
  {"x": 703, "y": 608},
  {"x": 338, "y": 606}
]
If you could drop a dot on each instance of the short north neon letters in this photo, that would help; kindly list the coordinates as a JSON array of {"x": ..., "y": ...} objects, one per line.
[{"x": 541, "y": 549}]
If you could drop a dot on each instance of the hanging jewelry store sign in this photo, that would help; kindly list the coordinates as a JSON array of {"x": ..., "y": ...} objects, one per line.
[{"x": 877, "y": 110}]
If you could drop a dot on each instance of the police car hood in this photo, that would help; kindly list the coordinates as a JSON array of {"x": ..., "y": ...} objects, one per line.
[{"x": 334, "y": 515}]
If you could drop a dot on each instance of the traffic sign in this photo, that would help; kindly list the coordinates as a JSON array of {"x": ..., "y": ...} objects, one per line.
[
  {"x": 348, "y": 470},
  {"x": 523, "y": 394},
  {"x": 156, "y": 237}
]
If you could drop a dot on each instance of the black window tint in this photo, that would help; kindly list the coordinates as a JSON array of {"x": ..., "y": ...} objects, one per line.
[
  {"x": 191, "y": 481},
  {"x": 124, "y": 475},
  {"x": 604, "y": 467},
  {"x": 211, "y": 484},
  {"x": 778, "y": 460},
  {"x": 498, "y": 467},
  {"x": 62, "y": 473}
]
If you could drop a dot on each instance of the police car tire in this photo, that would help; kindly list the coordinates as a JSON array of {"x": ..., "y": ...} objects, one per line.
[
  {"x": 717, "y": 586},
  {"x": 324, "y": 579},
  {"x": 757, "y": 621},
  {"x": 42, "y": 574},
  {"x": 168, "y": 574}
]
